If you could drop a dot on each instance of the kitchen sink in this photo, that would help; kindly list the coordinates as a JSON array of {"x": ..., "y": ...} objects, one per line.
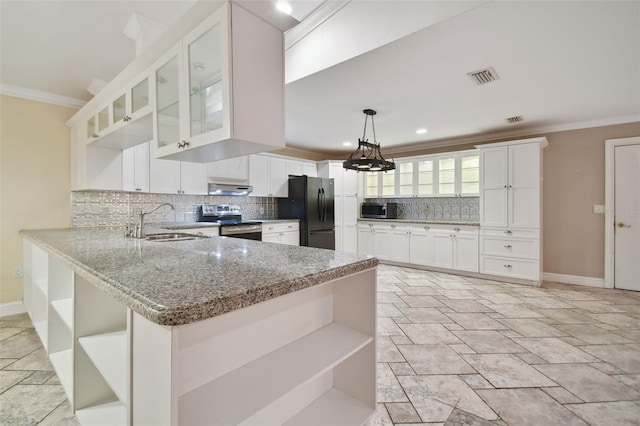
[{"x": 173, "y": 236}]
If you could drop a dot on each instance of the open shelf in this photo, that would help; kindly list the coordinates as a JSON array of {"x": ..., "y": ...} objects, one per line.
[
  {"x": 63, "y": 364},
  {"x": 333, "y": 408},
  {"x": 108, "y": 352},
  {"x": 64, "y": 308},
  {"x": 110, "y": 414},
  {"x": 245, "y": 391}
]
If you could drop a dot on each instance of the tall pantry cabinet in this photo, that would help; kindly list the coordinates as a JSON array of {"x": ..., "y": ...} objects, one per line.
[
  {"x": 510, "y": 209},
  {"x": 346, "y": 204}
]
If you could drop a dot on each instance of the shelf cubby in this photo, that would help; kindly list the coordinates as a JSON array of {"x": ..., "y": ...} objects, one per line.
[
  {"x": 101, "y": 351},
  {"x": 107, "y": 414},
  {"x": 283, "y": 370}
]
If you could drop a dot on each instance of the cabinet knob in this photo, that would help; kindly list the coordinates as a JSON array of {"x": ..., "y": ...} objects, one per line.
[
  {"x": 94, "y": 136},
  {"x": 456, "y": 229},
  {"x": 507, "y": 266},
  {"x": 507, "y": 246},
  {"x": 510, "y": 186},
  {"x": 427, "y": 228},
  {"x": 393, "y": 226},
  {"x": 126, "y": 118},
  {"x": 505, "y": 186},
  {"x": 183, "y": 144},
  {"x": 508, "y": 232}
]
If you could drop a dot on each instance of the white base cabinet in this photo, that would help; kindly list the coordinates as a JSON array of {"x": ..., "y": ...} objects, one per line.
[
  {"x": 281, "y": 233},
  {"x": 452, "y": 247}
]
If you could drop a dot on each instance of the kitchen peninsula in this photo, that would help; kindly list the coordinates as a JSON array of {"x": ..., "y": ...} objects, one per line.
[{"x": 205, "y": 331}]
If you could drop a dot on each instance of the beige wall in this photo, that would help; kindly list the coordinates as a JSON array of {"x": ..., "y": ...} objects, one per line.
[
  {"x": 34, "y": 179},
  {"x": 573, "y": 184}
]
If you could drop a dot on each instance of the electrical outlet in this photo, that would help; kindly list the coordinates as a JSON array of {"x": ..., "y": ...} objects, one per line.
[
  {"x": 17, "y": 272},
  {"x": 599, "y": 209}
]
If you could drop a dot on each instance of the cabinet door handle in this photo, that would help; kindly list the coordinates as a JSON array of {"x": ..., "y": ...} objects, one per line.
[
  {"x": 94, "y": 136},
  {"x": 138, "y": 189},
  {"x": 456, "y": 229},
  {"x": 183, "y": 144},
  {"x": 507, "y": 266},
  {"x": 426, "y": 228},
  {"x": 508, "y": 232},
  {"x": 126, "y": 118},
  {"x": 393, "y": 226},
  {"x": 507, "y": 246}
]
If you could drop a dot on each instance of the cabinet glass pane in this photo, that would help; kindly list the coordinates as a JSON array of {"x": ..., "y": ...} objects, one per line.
[
  {"x": 91, "y": 127},
  {"x": 167, "y": 104},
  {"x": 140, "y": 95},
  {"x": 372, "y": 184},
  {"x": 103, "y": 119},
  {"x": 205, "y": 82},
  {"x": 406, "y": 178},
  {"x": 425, "y": 177},
  {"x": 446, "y": 176},
  {"x": 388, "y": 184},
  {"x": 470, "y": 175},
  {"x": 119, "y": 108}
]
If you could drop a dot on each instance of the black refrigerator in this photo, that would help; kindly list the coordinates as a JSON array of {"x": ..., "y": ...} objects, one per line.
[{"x": 311, "y": 201}]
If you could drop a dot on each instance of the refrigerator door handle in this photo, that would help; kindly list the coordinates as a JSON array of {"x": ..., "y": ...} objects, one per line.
[
  {"x": 320, "y": 204},
  {"x": 324, "y": 206}
]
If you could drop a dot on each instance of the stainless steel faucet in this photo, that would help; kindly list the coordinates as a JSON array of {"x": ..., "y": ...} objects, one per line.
[{"x": 139, "y": 230}]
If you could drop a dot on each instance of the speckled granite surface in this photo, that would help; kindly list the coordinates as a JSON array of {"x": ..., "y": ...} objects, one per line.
[
  {"x": 434, "y": 222},
  {"x": 180, "y": 282}
]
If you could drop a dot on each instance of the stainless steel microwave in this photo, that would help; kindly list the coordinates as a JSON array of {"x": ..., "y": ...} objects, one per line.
[{"x": 379, "y": 210}]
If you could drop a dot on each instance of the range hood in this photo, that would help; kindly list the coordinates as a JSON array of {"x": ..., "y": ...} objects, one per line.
[{"x": 229, "y": 189}]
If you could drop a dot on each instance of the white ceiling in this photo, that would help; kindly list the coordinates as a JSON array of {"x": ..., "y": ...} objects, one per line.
[{"x": 561, "y": 64}]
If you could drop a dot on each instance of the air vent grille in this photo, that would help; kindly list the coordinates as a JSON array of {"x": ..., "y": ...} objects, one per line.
[
  {"x": 483, "y": 76},
  {"x": 515, "y": 119}
]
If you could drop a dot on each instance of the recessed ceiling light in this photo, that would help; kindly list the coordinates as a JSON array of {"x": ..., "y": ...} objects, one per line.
[
  {"x": 284, "y": 7},
  {"x": 421, "y": 131},
  {"x": 346, "y": 143}
]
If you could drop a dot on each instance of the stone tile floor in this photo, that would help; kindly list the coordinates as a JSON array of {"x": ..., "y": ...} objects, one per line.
[{"x": 452, "y": 350}]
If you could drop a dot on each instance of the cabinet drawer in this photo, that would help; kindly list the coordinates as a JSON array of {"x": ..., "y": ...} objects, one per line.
[
  {"x": 271, "y": 228},
  {"x": 509, "y": 267},
  {"x": 510, "y": 247},
  {"x": 533, "y": 234}
]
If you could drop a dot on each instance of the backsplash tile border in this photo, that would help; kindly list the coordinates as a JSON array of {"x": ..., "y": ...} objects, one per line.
[
  {"x": 118, "y": 208},
  {"x": 466, "y": 209}
]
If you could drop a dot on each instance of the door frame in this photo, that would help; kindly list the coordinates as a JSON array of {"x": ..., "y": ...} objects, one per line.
[{"x": 609, "y": 197}]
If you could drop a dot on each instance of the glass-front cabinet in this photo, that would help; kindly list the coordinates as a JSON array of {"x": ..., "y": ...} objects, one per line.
[
  {"x": 453, "y": 174},
  {"x": 126, "y": 119},
  {"x": 192, "y": 96}
]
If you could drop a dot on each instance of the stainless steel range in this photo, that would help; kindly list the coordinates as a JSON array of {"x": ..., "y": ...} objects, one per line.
[{"x": 229, "y": 219}]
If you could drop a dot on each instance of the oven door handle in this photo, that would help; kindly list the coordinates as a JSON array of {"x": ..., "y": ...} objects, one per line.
[{"x": 234, "y": 230}]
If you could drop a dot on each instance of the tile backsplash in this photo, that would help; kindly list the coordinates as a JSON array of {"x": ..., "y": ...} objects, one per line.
[
  {"x": 436, "y": 208},
  {"x": 117, "y": 208}
]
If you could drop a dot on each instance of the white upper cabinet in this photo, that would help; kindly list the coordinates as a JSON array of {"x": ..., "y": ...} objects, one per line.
[
  {"x": 453, "y": 174},
  {"x": 231, "y": 170},
  {"x": 126, "y": 120},
  {"x": 510, "y": 185},
  {"x": 268, "y": 176},
  {"x": 212, "y": 102},
  {"x": 135, "y": 168}
]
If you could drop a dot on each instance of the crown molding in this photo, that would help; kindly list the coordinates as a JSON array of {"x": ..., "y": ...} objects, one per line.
[
  {"x": 36, "y": 95},
  {"x": 408, "y": 149},
  {"x": 325, "y": 11}
]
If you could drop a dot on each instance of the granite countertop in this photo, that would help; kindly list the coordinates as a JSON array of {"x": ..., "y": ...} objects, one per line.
[
  {"x": 429, "y": 221},
  {"x": 180, "y": 282}
]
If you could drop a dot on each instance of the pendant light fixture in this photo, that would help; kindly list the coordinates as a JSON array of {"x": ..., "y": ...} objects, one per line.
[{"x": 368, "y": 158}]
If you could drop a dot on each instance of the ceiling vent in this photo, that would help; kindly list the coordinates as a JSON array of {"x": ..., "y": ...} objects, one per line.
[
  {"x": 483, "y": 76},
  {"x": 516, "y": 119}
]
